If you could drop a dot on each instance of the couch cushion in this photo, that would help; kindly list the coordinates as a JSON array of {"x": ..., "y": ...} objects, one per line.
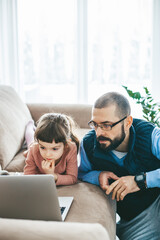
[
  {"x": 81, "y": 113},
  {"x": 17, "y": 164},
  {"x": 81, "y": 132},
  {"x": 90, "y": 205},
  {"x": 14, "y": 116}
]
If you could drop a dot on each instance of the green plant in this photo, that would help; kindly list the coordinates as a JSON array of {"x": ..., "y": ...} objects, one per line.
[{"x": 151, "y": 110}]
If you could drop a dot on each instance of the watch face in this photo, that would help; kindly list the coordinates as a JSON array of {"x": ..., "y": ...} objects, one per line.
[{"x": 139, "y": 177}]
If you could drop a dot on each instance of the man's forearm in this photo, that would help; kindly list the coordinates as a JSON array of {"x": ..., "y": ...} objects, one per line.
[{"x": 91, "y": 177}]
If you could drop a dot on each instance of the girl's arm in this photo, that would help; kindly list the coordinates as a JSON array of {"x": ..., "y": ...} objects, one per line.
[
  {"x": 30, "y": 167},
  {"x": 71, "y": 173}
]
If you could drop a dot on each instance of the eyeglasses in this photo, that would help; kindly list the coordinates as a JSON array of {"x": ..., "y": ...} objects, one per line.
[{"x": 104, "y": 126}]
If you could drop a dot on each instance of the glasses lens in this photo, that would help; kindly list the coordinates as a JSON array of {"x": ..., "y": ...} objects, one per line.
[
  {"x": 91, "y": 124},
  {"x": 106, "y": 127},
  {"x": 103, "y": 126}
]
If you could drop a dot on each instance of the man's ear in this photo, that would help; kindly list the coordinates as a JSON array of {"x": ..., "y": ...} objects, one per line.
[{"x": 129, "y": 121}]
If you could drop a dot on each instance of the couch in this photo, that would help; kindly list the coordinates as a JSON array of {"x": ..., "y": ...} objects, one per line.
[{"x": 92, "y": 214}]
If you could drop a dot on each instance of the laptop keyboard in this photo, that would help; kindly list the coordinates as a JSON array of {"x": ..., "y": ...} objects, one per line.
[{"x": 62, "y": 209}]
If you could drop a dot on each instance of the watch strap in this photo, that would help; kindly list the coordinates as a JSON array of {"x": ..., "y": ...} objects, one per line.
[{"x": 140, "y": 179}]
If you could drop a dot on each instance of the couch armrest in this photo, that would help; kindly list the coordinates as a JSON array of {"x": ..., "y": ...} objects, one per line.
[
  {"x": 81, "y": 113},
  {"x": 11, "y": 229}
]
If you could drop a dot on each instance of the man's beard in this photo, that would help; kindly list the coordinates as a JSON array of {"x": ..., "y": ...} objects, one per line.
[{"x": 113, "y": 143}]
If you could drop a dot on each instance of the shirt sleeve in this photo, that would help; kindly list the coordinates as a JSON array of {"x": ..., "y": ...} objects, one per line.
[
  {"x": 30, "y": 166},
  {"x": 156, "y": 142},
  {"x": 153, "y": 177},
  {"x": 71, "y": 173},
  {"x": 85, "y": 172}
]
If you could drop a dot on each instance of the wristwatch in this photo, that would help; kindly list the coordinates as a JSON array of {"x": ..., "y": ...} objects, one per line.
[{"x": 140, "y": 179}]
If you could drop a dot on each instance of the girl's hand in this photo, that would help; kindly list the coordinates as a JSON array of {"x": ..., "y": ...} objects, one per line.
[{"x": 48, "y": 166}]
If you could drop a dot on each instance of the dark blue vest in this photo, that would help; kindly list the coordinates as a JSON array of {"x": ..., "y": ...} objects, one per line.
[{"x": 139, "y": 159}]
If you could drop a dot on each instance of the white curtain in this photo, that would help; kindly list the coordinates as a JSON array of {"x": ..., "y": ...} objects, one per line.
[{"x": 9, "y": 73}]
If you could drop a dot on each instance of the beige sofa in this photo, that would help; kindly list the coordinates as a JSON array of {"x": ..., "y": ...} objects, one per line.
[{"x": 92, "y": 214}]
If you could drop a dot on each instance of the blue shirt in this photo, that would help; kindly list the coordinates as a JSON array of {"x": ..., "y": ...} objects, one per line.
[{"x": 92, "y": 176}]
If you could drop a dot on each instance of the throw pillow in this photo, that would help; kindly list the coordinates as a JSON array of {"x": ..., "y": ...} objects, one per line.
[{"x": 14, "y": 116}]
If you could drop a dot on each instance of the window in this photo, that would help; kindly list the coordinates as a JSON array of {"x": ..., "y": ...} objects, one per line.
[{"x": 75, "y": 50}]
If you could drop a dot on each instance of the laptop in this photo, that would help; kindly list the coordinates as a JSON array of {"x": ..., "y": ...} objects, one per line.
[{"x": 32, "y": 197}]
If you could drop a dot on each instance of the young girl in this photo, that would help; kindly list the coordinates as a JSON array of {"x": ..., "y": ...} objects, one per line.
[{"x": 55, "y": 150}]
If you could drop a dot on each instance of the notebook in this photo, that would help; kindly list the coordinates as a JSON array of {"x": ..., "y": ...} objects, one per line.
[{"x": 32, "y": 197}]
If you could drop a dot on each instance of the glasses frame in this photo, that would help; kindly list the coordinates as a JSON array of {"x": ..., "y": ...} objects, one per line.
[{"x": 96, "y": 125}]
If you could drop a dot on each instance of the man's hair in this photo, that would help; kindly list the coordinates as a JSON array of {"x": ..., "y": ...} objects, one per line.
[{"x": 113, "y": 98}]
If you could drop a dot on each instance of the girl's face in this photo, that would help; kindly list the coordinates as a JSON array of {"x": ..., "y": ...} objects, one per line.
[{"x": 51, "y": 151}]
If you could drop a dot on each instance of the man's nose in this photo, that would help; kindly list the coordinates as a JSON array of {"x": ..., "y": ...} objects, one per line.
[{"x": 99, "y": 131}]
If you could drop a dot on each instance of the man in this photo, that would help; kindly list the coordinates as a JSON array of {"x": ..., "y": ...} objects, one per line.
[{"x": 122, "y": 155}]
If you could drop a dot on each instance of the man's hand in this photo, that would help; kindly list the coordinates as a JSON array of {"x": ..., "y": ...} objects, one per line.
[
  {"x": 104, "y": 177},
  {"x": 122, "y": 187},
  {"x": 49, "y": 167}
]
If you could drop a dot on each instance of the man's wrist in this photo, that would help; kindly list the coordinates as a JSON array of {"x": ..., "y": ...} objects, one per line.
[{"x": 140, "y": 179}]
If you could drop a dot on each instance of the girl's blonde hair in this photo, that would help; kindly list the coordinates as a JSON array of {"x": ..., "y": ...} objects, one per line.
[{"x": 56, "y": 126}]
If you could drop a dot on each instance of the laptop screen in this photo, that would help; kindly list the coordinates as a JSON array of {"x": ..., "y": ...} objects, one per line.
[{"x": 29, "y": 197}]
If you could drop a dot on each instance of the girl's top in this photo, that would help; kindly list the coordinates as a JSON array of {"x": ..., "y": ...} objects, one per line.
[{"x": 66, "y": 169}]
